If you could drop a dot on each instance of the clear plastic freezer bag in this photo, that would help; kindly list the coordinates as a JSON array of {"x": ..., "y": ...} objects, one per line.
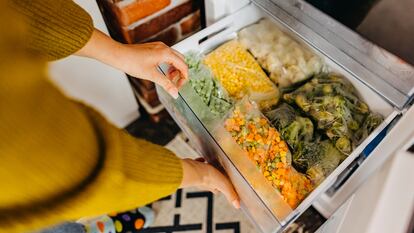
[
  {"x": 333, "y": 103},
  {"x": 241, "y": 75},
  {"x": 264, "y": 147},
  {"x": 315, "y": 156},
  {"x": 287, "y": 61},
  {"x": 203, "y": 92}
]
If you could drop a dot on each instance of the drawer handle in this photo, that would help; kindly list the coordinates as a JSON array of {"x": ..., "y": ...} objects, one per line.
[
  {"x": 216, "y": 38},
  {"x": 211, "y": 35}
]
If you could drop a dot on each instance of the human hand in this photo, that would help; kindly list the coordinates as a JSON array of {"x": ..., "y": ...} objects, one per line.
[
  {"x": 142, "y": 61},
  {"x": 204, "y": 176},
  {"x": 139, "y": 60}
]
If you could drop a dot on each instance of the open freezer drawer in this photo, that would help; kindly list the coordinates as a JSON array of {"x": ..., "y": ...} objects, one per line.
[{"x": 262, "y": 204}]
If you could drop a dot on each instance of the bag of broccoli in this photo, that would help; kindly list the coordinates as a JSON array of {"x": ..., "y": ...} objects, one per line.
[
  {"x": 333, "y": 103},
  {"x": 311, "y": 155}
]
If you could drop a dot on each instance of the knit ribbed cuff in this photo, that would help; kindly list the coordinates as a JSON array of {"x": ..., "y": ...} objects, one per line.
[
  {"x": 142, "y": 163},
  {"x": 150, "y": 163}
]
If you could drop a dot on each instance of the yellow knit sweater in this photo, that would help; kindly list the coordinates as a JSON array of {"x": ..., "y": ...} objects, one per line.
[{"x": 60, "y": 160}]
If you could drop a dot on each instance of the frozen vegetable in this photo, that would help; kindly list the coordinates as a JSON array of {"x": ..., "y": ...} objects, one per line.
[
  {"x": 370, "y": 123},
  {"x": 320, "y": 159},
  {"x": 333, "y": 103},
  {"x": 293, "y": 128},
  {"x": 287, "y": 61},
  {"x": 206, "y": 86},
  {"x": 241, "y": 75},
  {"x": 263, "y": 144},
  {"x": 317, "y": 157}
]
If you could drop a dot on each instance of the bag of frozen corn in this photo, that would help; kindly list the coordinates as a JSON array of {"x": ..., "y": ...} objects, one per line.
[
  {"x": 287, "y": 61},
  {"x": 241, "y": 75},
  {"x": 264, "y": 146}
]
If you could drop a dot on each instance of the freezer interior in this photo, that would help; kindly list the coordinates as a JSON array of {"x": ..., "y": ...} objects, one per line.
[{"x": 260, "y": 200}]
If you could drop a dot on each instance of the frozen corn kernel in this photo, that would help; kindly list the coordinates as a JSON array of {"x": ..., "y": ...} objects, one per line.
[{"x": 241, "y": 75}]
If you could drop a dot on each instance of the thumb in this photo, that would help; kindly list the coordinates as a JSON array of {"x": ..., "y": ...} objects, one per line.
[{"x": 167, "y": 84}]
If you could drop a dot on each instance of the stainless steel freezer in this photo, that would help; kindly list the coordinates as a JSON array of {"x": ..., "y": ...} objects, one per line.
[{"x": 384, "y": 83}]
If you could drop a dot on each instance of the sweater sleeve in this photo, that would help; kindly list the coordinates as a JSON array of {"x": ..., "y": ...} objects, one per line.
[
  {"x": 57, "y": 28},
  {"x": 61, "y": 160}
]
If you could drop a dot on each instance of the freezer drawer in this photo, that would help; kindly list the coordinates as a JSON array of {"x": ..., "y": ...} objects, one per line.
[{"x": 260, "y": 201}]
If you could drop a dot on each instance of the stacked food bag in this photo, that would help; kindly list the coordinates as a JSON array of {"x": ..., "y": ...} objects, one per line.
[
  {"x": 297, "y": 124},
  {"x": 287, "y": 61},
  {"x": 312, "y": 155},
  {"x": 241, "y": 75},
  {"x": 333, "y": 103},
  {"x": 206, "y": 86},
  {"x": 264, "y": 146}
]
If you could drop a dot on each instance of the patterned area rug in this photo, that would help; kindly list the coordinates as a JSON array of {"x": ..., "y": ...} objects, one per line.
[{"x": 194, "y": 211}]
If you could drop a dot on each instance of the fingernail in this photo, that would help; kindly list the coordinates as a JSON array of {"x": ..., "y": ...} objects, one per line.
[
  {"x": 174, "y": 94},
  {"x": 236, "y": 204},
  {"x": 171, "y": 70},
  {"x": 174, "y": 73}
]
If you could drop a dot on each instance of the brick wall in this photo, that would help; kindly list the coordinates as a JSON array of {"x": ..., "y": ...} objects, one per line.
[{"x": 137, "y": 21}]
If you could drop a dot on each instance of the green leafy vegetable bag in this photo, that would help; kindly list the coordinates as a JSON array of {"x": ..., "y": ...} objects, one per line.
[
  {"x": 333, "y": 103},
  {"x": 311, "y": 155}
]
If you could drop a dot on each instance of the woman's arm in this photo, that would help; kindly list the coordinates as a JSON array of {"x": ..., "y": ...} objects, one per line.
[
  {"x": 139, "y": 60},
  {"x": 61, "y": 160},
  {"x": 59, "y": 28}
]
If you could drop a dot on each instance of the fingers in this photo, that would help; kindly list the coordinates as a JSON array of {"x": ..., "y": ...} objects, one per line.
[
  {"x": 216, "y": 180},
  {"x": 200, "y": 159},
  {"x": 167, "y": 84},
  {"x": 178, "y": 71},
  {"x": 178, "y": 62},
  {"x": 227, "y": 189},
  {"x": 181, "y": 82},
  {"x": 175, "y": 76},
  {"x": 205, "y": 176}
]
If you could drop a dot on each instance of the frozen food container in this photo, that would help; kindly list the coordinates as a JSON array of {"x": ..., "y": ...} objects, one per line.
[{"x": 384, "y": 88}]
